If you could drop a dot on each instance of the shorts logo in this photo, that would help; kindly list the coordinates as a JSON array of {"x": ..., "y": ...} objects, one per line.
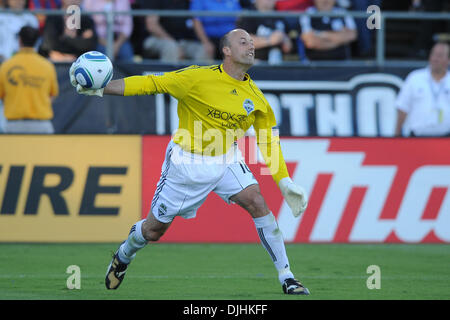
[
  {"x": 162, "y": 210},
  {"x": 249, "y": 106}
]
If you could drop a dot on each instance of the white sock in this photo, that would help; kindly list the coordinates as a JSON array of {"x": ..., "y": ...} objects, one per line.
[
  {"x": 135, "y": 241},
  {"x": 272, "y": 240}
]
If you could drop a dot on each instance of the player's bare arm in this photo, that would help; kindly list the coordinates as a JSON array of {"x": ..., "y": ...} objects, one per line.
[{"x": 115, "y": 87}]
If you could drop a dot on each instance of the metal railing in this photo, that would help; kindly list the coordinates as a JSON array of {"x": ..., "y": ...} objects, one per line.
[{"x": 379, "y": 60}]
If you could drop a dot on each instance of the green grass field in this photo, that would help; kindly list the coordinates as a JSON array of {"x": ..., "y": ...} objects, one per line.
[{"x": 226, "y": 272}]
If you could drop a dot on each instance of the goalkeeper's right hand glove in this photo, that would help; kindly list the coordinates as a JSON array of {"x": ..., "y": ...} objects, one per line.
[{"x": 80, "y": 89}]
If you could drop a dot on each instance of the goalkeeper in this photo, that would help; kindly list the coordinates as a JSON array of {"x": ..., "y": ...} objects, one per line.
[{"x": 216, "y": 106}]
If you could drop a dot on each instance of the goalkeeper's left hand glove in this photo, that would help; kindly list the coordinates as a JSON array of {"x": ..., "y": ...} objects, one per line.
[
  {"x": 294, "y": 195},
  {"x": 90, "y": 92},
  {"x": 80, "y": 89},
  {"x": 73, "y": 80}
]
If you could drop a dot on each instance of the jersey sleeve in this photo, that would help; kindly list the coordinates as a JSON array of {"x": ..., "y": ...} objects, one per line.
[
  {"x": 268, "y": 142},
  {"x": 176, "y": 83}
]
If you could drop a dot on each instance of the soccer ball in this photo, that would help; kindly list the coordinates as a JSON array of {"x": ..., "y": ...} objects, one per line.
[{"x": 93, "y": 70}]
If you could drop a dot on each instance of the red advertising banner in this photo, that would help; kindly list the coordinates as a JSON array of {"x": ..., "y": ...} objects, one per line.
[{"x": 360, "y": 190}]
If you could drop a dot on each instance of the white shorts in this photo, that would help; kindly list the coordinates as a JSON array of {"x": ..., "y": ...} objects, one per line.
[{"x": 187, "y": 179}]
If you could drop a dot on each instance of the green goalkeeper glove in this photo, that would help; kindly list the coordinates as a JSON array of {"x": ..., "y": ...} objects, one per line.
[{"x": 294, "y": 195}]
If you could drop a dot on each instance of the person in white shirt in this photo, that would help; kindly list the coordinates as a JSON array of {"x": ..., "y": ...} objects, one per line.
[
  {"x": 423, "y": 103},
  {"x": 10, "y": 25}
]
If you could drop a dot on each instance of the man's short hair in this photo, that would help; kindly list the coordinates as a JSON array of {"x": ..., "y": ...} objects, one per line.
[
  {"x": 224, "y": 42},
  {"x": 28, "y": 36}
]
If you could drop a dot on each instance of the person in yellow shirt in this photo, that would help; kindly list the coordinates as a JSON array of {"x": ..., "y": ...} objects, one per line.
[
  {"x": 28, "y": 84},
  {"x": 216, "y": 106}
]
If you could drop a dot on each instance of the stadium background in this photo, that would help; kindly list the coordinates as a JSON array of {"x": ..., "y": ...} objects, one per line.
[
  {"x": 96, "y": 176},
  {"x": 330, "y": 114}
]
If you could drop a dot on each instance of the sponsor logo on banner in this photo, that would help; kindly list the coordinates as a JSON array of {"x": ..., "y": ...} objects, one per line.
[
  {"x": 67, "y": 188},
  {"x": 370, "y": 190},
  {"x": 360, "y": 190},
  {"x": 363, "y": 105}
]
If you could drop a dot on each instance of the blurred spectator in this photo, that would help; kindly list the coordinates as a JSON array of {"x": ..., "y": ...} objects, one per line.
[
  {"x": 28, "y": 84},
  {"x": 171, "y": 38},
  {"x": 327, "y": 38},
  {"x": 46, "y": 5},
  {"x": 246, "y": 4},
  {"x": 2, "y": 117},
  {"x": 424, "y": 99},
  {"x": 428, "y": 28},
  {"x": 139, "y": 33},
  {"x": 123, "y": 26},
  {"x": 293, "y": 23},
  {"x": 211, "y": 29},
  {"x": 365, "y": 35},
  {"x": 417, "y": 5},
  {"x": 10, "y": 25},
  {"x": 346, "y": 4},
  {"x": 2, "y": 6},
  {"x": 63, "y": 43},
  {"x": 293, "y": 5},
  {"x": 268, "y": 34}
]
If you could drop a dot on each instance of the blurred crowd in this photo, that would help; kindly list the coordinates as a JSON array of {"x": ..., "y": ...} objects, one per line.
[{"x": 172, "y": 39}]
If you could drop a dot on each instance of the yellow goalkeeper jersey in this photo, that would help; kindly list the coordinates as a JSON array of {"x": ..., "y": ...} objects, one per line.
[{"x": 215, "y": 110}]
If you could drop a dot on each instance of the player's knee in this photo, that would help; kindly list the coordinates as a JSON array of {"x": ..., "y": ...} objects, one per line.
[
  {"x": 256, "y": 204},
  {"x": 259, "y": 203}
]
